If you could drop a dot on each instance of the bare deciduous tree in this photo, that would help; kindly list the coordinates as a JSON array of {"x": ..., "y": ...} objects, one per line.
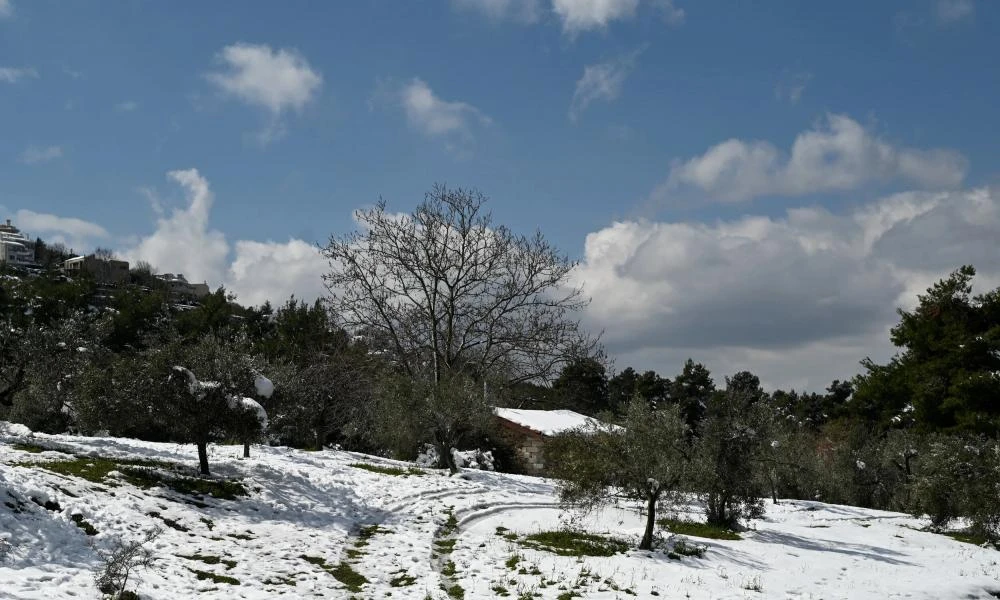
[
  {"x": 447, "y": 289},
  {"x": 447, "y": 292}
]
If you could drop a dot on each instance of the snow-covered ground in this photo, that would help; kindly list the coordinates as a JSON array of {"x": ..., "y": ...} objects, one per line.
[{"x": 433, "y": 531}]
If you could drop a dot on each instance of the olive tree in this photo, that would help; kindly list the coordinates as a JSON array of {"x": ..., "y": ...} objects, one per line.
[
  {"x": 205, "y": 394},
  {"x": 446, "y": 293},
  {"x": 731, "y": 449},
  {"x": 646, "y": 459}
]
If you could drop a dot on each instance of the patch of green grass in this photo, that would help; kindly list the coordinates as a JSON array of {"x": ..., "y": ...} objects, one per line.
[
  {"x": 191, "y": 486},
  {"x": 574, "y": 543},
  {"x": 33, "y": 448},
  {"x": 967, "y": 537},
  {"x": 167, "y": 521},
  {"x": 279, "y": 580},
  {"x": 144, "y": 474},
  {"x": 96, "y": 469},
  {"x": 83, "y": 524},
  {"x": 450, "y": 523},
  {"x": 214, "y": 578},
  {"x": 240, "y": 536},
  {"x": 449, "y": 569},
  {"x": 367, "y": 532},
  {"x": 702, "y": 530},
  {"x": 568, "y": 595},
  {"x": 444, "y": 546},
  {"x": 343, "y": 572},
  {"x": 386, "y": 470},
  {"x": 512, "y": 560},
  {"x": 208, "y": 523},
  {"x": 354, "y": 554},
  {"x": 402, "y": 580},
  {"x": 454, "y": 591},
  {"x": 346, "y": 575},
  {"x": 209, "y": 559},
  {"x": 500, "y": 590}
]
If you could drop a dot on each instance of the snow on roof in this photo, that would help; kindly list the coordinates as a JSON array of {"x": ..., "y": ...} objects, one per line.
[{"x": 548, "y": 422}]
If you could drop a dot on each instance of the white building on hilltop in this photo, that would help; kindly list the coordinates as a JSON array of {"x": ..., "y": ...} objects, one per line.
[
  {"x": 15, "y": 248},
  {"x": 180, "y": 287}
]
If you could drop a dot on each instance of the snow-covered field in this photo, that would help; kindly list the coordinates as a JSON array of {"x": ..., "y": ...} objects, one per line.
[{"x": 309, "y": 517}]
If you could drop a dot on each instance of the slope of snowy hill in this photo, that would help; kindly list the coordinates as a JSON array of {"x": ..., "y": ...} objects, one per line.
[{"x": 339, "y": 525}]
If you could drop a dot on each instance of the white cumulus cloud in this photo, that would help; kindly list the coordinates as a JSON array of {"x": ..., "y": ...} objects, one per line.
[
  {"x": 601, "y": 82},
  {"x": 77, "y": 234},
  {"x": 798, "y": 299},
  {"x": 259, "y": 269},
  {"x": 430, "y": 115},
  {"x": 184, "y": 242},
  {"x": 583, "y": 15},
  {"x": 6, "y": 9},
  {"x": 278, "y": 81},
  {"x": 837, "y": 155}
]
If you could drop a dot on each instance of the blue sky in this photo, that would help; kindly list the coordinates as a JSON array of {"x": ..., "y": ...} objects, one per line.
[{"x": 675, "y": 120}]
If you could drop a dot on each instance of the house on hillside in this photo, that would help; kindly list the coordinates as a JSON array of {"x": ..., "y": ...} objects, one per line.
[
  {"x": 107, "y": 271},
  {"x": 181, "y": 289},
  {"x": 16, "y": 249},
  {"x": 528, "y": 430}
]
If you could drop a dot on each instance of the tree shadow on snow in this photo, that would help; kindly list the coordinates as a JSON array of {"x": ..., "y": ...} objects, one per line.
[
  {"x": 294, "y": 498},
  {"x": 820, "y": 545}
]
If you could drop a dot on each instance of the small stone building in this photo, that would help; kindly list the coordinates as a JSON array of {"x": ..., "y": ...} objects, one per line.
[{"x": 528, "y": 430}]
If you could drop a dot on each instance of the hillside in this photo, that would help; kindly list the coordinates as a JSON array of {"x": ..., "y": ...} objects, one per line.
[{"x": 335, "y": 524}]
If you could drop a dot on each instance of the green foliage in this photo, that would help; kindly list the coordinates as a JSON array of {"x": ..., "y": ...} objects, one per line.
[
  {"x": 646, "y": 459},
  {"x": 342, "y": 572},
  {"x": 210, "y": 559},
  {"x": 582, "y": 385},
  {"x": 327, "y": 401},
  {"x": 145, "y": 474},
  {"x": 574, "y": 543},
  {"x": 947, "y": 369},
  {"x": 385, "y": 470},
  {"x": 695, "y": 529},
  {"x": 628, "y": 384},
  {"x": 733, "y": 438},
  {"x": 960, "y": 479},
  {"x": 446, "y": 413},
  {"x": 214, "y": 577},
  {"x": 403, "y": 580},
  {"x": 691, "y": 391}
]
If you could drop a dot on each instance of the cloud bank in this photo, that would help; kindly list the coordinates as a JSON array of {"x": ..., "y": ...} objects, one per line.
[{"x": 798, "y": 299}]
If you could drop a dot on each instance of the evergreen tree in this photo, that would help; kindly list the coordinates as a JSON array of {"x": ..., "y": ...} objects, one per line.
[
  {"x": 582, "y": 385},
  {"x": 691, "y": 391}
]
